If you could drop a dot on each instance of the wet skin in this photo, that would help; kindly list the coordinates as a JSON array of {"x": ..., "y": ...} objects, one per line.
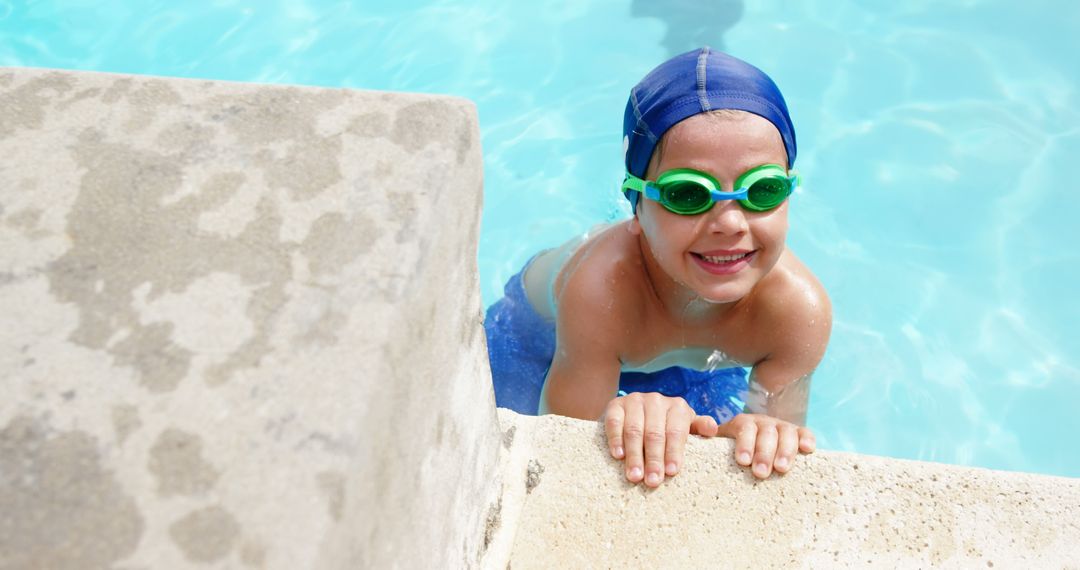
[{"x": 663, "y": 281}]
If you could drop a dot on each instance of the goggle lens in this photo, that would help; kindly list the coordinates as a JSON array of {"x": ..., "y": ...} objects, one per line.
[
  {"x": 686, "y": 197},
  {"x": 768, "y": 193}
]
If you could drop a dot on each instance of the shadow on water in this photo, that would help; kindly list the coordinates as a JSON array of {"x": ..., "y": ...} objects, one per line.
[{"x": 691, "y": 23}]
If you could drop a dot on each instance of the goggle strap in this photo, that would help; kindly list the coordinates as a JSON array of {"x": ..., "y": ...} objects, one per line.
[
  {"x": 635, "y": 184},
  {"x": 632, "y": 182},
  {"x": 652, "y": 192}
]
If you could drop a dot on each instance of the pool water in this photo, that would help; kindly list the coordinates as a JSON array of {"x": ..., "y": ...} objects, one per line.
[{"x": 937, "y": 140}]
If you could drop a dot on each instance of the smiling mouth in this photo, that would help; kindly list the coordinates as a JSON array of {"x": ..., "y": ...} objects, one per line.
[
  {"x": 724, "y": 264},
  {"x": 721, "y": 259}
]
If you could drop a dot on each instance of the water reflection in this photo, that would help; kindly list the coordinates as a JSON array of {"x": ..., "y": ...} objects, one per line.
[
  {"x": 788, "y": 403},
  {"x": 691, "y": 23}
]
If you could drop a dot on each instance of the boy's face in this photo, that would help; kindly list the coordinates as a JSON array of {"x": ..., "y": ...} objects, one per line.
[{"x": 695, "y": 250}]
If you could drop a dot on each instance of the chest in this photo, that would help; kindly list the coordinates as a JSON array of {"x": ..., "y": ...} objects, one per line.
[{"x": 656, "y": 345}]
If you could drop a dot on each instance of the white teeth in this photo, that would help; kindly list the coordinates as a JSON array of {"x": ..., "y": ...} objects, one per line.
[{"x": 724, "y": 258}]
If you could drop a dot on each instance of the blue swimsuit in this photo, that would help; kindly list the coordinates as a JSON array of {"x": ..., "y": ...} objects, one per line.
[{"x": 521, "y": 346}]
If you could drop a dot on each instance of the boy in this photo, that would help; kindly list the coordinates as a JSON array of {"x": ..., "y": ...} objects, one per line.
[{"x": 647, "y": 323}]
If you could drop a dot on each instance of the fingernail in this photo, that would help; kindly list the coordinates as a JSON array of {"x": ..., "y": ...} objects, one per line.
[
  {"x": 672, "y": 469},
  {"x": 744, "y": 458},
  {"x": 654, "y": 478},
  {"x": 761, "y": 469},
  {"x": 782, "y": 463},
  {"x": 806, "y": 443},
  {"x": 618, "y": 452},
  {"x": 635, "y": 474}
]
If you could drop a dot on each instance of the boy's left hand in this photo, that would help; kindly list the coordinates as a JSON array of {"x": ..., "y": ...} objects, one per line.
[
  {"x": 649, "y": 431},
  {"x": 767, "y": 442}
]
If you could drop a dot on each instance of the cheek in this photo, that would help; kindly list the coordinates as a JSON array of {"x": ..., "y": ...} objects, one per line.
[
  {"x": 651, "y": 221},
  {"x": 666, "y": 230},
  {"x": 773, "y": 225},
  {"x": 780, "y": 230},
  {"x": 665, "y": 237}
]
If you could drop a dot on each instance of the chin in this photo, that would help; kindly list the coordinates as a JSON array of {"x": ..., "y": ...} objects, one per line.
[{"x": 723, "y": 295}]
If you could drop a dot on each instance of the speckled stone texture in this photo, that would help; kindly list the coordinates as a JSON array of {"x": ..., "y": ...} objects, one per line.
[
  {"x": 572, "y": 508},
  {"x": 240, "y": 327}
]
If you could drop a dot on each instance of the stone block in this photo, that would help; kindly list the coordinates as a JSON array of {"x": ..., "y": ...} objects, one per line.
[{"x": 239, "y": 326}]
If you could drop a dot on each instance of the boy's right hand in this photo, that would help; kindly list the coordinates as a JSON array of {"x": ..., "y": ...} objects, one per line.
[{"x": 649, "y": 431}]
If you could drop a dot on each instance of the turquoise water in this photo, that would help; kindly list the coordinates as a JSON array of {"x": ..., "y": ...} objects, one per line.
[{"x": 938, "y": 142}]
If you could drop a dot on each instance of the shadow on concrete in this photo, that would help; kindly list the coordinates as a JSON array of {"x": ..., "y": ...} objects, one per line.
[{"x": 691, "y": 23}]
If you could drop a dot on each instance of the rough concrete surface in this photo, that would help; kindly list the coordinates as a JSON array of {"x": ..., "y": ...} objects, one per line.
[
  {"x": 239, "y": 327},
  {"x": 572, "y": 508}
]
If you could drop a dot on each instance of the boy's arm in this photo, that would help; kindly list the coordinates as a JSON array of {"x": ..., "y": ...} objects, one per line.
[
  {"x": 647, "y": 431},
  {"x": 780, "y": 383},
  {"x": 770, "y": 433},
  {"x": 584, "y": 373}
]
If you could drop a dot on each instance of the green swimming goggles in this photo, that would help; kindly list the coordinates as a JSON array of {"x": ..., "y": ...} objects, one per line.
[{"x": 689, "y": 192}]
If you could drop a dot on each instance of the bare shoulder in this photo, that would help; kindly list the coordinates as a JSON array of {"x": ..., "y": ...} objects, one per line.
[
  {"x": 793, "y": 292},
  {"x": 599, "y": 284},
  {"x": 793, "y": 301}
]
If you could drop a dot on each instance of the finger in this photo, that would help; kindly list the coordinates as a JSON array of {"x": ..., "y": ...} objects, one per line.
[
  {"x": 613, "y": 427},
  {"x": 765, "y": 449},
  {"x": 655, "y": 439},
  {"x": 745, "y": 433},
  {"x": 633, "y": 428},
  {"x": 786, "y": 447},
  {"x": 678, "y": 429},
  {"x": 704, "y": 426},
  {"x": 807, "y": 441}
]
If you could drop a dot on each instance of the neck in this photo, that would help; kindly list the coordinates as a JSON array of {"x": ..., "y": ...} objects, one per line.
[{"x": 680, "y": 303}]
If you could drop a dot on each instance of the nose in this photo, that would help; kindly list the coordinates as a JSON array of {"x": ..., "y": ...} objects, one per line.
[{"x": 728, "y": 218}]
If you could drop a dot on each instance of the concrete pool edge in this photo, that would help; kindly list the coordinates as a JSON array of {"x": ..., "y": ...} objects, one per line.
[{"x": 572, "y": 507}]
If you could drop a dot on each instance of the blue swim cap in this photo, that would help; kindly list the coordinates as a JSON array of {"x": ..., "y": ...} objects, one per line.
[{"x": 691, "y": 83}]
